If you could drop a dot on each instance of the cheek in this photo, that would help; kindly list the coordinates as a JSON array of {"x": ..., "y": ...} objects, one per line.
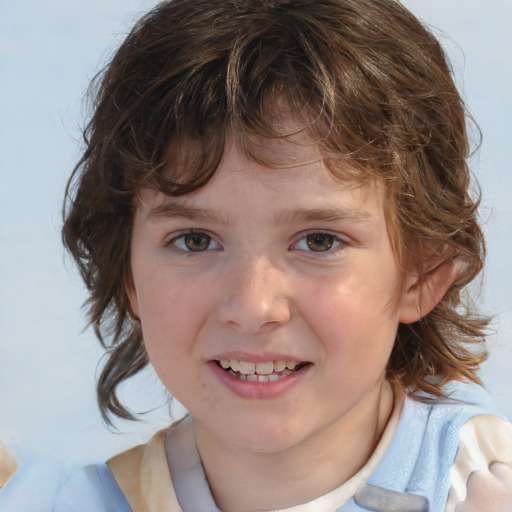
[
  {"x": 173, "y": 310},
  {"x": 168, "y": 337},
  {"x": 164, "y": 297},
  {"x": 355, "y": 321},
  {"x": 163, "y": 316}
]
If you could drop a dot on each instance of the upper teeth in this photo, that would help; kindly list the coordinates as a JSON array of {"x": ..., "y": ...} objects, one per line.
[{"x": 264, "y": 368}]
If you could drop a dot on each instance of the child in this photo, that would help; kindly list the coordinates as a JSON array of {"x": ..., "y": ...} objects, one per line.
[{"x": 273, "y": 209}]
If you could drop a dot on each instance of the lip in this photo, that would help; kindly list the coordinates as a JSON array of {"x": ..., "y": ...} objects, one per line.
[{"x": 257, "y": 390}]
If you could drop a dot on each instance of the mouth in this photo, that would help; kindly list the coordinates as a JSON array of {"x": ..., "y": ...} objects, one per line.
[{"x": 266, "y": 371}]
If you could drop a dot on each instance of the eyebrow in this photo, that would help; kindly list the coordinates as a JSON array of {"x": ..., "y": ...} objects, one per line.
[
  {"x": 328, "y": 214},
  {"x": 176, "y": 209}
]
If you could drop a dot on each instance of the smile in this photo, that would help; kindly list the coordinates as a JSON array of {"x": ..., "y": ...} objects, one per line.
[{"x": 266, "y": 371}]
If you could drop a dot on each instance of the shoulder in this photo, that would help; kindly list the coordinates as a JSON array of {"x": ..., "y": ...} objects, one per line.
[
  {"x": 460, "y": 429},
  {"x": 441, "y": 420},
  {"x": 44, "y": 484},
  {"x": 467, "y": 449},
  {"x": 90, "y": 488},
  {"x": 143, "y": 475},
  {"x": 485, "y": 438},
  {"x": 481, "y": 476},
  {"x": 33, "y": 486},
  {"x": 137, "y": 479},
  {"x": 426, "y": 443}
]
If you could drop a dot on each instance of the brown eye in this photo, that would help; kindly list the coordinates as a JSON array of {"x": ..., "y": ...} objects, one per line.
[
  {"x": 320, "y": 242},
  {"x": 193, "y": 242},
  {"x": 196, "y": 241}
]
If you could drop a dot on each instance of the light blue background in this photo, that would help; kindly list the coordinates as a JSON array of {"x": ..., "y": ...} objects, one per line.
[{"x": 49, "y": 50}]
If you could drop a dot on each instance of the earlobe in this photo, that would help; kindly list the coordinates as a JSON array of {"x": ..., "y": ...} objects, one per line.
[{"x": 421, "y": 295}]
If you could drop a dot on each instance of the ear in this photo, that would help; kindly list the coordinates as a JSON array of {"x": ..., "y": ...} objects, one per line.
[{"x": 420, "y": 296}]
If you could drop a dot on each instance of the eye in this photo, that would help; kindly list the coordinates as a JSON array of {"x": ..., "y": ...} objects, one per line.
[
  {"x": 195, "y": 241},
  {"x": 318, "y": 242}
]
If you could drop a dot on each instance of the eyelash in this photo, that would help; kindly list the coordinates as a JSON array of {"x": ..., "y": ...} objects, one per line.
[
  {"x": 181, "y": 237},
  {"x": 335, "y": 242}
]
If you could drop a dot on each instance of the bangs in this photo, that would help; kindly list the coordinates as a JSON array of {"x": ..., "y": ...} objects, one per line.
[{"x": 180, "y": 104}]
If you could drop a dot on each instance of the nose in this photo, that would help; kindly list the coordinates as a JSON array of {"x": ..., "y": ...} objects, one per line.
[{"x": 255, "y": 296}]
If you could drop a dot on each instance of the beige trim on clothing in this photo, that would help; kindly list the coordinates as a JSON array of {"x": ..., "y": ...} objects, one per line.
[{"x": 143, "y": 476}]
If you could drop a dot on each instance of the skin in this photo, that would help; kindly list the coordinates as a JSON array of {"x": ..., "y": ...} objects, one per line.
[{"x": 256, "y": 290}]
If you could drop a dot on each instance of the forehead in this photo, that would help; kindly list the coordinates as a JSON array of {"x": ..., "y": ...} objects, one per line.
[{"x": 298, "y": 186}]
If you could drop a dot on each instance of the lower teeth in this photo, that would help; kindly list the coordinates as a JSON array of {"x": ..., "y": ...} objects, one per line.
[{"x": 261, "y": 378}]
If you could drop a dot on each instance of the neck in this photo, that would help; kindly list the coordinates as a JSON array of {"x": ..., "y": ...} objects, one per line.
[{"x": 245, "y": 481}]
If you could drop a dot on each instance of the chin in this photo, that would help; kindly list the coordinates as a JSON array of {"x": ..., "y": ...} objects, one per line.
[
  {"x": 262, "y": 444},
  {"x": 270, "y": 437}
]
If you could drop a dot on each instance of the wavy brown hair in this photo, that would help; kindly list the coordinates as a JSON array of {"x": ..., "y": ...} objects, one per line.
[{"x": 366, "y": 80}]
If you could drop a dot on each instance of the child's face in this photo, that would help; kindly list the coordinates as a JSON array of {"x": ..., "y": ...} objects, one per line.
[{"x": 262, "y": 266}]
